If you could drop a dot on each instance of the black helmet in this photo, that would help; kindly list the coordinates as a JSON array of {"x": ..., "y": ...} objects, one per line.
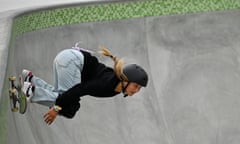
[{"x": 136, "y": 74}]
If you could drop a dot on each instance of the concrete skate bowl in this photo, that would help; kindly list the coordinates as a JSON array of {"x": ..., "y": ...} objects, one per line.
[{"x": 190, "y": 50}]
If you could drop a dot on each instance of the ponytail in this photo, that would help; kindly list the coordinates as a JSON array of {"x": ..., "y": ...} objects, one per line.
[{"x": 118, "y": 63}]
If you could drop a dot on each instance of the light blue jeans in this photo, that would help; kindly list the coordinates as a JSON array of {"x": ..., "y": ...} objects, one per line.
[{"x": 67, "y": 67}]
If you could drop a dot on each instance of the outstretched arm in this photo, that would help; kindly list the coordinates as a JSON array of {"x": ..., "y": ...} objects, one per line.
[
  {"x": 67, "y": 104},
  {"x": 69, "y": 100}
]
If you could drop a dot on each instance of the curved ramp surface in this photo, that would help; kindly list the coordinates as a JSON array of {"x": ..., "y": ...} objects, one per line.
[{"x": 192, "y": 97}]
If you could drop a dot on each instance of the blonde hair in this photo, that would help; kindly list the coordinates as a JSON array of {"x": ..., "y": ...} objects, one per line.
[{"x": 118, "y": 63}]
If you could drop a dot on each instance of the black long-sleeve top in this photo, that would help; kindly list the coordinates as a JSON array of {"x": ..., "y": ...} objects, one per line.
[{"x": 96, "y": 80}]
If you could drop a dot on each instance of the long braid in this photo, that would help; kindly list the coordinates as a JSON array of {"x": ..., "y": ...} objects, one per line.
[{"x": 118, "y": 64}]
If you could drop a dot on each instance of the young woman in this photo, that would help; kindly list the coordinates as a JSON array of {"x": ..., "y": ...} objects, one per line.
[{"x": 78, "y": 73}]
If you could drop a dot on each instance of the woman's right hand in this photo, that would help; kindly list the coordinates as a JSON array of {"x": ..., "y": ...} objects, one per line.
[{"x": 50, "y": 116}]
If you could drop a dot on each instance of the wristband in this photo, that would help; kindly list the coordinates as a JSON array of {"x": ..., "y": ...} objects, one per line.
[{"x": 57, "y": 108}]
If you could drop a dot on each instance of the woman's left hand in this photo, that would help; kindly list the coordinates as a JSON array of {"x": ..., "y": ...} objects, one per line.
[{"x": 50, "y": 116}]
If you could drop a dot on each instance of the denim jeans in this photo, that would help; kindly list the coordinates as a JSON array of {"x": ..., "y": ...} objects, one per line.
[{"x": 67, "y": 67}]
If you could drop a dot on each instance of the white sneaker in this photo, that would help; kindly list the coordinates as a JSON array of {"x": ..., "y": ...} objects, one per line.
[
  {"x": 27, "y": 75},
  {"x": 28, "y": 90}
]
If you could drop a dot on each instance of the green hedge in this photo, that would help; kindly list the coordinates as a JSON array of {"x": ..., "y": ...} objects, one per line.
[{"x": 113, "y": 11}]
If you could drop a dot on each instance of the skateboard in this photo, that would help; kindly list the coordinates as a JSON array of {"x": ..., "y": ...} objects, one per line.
[{"x": 18, "y": 100}]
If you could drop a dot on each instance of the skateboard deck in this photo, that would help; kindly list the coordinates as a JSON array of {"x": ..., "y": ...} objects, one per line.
[{"x": 18, "y": 100}]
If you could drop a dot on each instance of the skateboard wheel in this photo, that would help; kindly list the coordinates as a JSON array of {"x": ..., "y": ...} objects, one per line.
[
  {"x": 15, "y": 109},
  {"x": 12, "y": 78},
  {"x": 13, "y": 91}
]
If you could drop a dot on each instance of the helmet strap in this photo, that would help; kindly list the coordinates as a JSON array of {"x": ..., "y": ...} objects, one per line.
[{"x": 124, "y": 89}]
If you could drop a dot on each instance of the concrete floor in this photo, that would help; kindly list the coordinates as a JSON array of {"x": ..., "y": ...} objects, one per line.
[{"x": 193, "y": 61}]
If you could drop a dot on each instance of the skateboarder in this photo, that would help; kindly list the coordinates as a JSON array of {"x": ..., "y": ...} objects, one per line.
[{"x": 78, "y": 73}]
